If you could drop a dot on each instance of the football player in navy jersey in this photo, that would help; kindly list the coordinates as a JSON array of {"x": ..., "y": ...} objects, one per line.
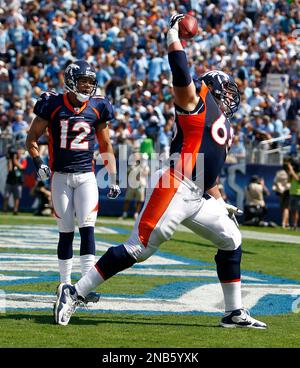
[
  {"x": 73, "y": 120},
  {"x": 184, "y": 192}
]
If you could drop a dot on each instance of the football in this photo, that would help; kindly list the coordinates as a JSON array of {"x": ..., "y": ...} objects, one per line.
[{"x": 188, "y": 27}]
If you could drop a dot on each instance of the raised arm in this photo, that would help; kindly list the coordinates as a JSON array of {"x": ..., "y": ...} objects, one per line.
[{"x": 183, "y": 85}]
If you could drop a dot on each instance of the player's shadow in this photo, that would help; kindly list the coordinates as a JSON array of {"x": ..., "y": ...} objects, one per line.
[
  {"x": 184, "y": 241},
  {"x": 47, "y": 319}
]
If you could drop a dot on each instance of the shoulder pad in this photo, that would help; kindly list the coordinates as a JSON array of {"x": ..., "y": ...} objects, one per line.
[{"x": 46, "y": 104}]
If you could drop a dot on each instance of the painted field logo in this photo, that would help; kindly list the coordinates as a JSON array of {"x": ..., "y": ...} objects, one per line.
[
  {"x": 296, "y": 305},
  {"x": 2, "y": 301},
  {"x": 197, "y": 290}
]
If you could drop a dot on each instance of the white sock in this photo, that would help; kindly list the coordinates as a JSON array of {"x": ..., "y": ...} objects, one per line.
[
  {"x": 65, "y": 270},
  {"x": 88, "y": 282},
  {"x": 86, "y": 263},
  {"x": 232, "y": 295}
]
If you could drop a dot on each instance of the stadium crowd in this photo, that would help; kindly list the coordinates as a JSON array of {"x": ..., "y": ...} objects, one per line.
[{"x": 125, "y": 41}]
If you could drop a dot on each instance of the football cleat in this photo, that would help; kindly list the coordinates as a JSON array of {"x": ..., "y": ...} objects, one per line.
[
  {"x": 92, "y": 297},
  {"x": 66, "y": 303},
  {"x": 241, "y": 318}
]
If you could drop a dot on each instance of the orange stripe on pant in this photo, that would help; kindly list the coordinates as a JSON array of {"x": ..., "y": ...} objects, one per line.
[{"x": 157, "y": 205}]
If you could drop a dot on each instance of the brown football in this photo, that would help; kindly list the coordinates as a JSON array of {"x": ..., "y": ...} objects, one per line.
[{"x": 188, "y": 27}]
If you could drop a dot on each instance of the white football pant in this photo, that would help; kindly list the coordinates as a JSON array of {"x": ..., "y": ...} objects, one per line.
[
  {"x": 74, "y": 194},
  {"x": 165, "y": 208}
]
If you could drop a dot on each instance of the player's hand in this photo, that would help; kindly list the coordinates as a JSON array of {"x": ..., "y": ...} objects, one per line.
[
  {"x": 43, "y": 171},
  {"x": 114, "y": 191},
  {"x": 232, "y": 210},
  {"x": 174, "y": 20}
]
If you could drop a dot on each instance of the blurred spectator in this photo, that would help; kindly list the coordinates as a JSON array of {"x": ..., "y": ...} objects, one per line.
[
  {"x": 21, "y": 88},
  {"x": 281, "y": 186},
  {"x": 137, "y": 182},
  {"x": 293, "y": 168},
  {"x": 20, "y": 127},
  {"x": 125, "y": 42},
  {"x": 237, "y": 152},
  {"x": 16, "y": 164},
  {"x": 255, "y": 206},
  {"x": 5, "y": 84},
  {"x": 43, "y": 195},
  {"x": 256, "y": 99}
]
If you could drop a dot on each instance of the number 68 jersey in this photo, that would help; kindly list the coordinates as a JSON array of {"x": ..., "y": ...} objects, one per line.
[
  {"x": 203, "y": 136},
  {"x": 72, "y": 130}
]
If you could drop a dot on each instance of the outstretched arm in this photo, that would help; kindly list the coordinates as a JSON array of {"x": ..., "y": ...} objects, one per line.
[{"x": 183, "y": 85}]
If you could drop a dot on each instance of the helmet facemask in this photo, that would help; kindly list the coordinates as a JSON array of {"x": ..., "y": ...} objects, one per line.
[
  {"x": 229, "y": 97},
  {"x": 80, "y": 79},
  {"x": 82, "y": 84},
  {"x": 224, "y": 90}
]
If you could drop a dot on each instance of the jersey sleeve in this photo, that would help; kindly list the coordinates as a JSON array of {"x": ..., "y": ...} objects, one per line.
[
  {"x": 106, "y": 111},
  {"x": 45, "y": 105}
]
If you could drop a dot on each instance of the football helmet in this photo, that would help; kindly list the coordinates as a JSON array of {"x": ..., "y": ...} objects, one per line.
[
  {"x": 75, "y": 71},
  {"x": 224, "y": 89}
]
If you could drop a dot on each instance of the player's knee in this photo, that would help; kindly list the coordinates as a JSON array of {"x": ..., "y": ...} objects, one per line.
[
  {"x": 146, "y": 253},
  {"x": 137, "y": 250},
  {"x": 88, "y": 221},
  {"x": 65, "y": 227},
  {"x": 231, "y": 240},
  {"x": 158, "y": 234}
]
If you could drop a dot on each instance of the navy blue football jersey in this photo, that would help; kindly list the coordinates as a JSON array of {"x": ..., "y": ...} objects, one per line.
[
  {"x": 206, "y": 131},
  {"x": 72, "y": 130}
]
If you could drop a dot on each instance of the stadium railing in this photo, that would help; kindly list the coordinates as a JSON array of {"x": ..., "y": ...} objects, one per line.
[{"x": 267, "y": 154}]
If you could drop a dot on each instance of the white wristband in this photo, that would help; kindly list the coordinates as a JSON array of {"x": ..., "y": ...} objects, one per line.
[{"x": 172, "y": 36}]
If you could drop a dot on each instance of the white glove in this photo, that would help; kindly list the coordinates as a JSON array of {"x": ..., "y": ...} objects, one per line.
[
  {"x": 172, "y": 35},
  {"x": 174, "y": 21},
  {"x": 232, "y": 210},
  {"x": 114, "y": 191},
  {"x": 44, "y": 172}
]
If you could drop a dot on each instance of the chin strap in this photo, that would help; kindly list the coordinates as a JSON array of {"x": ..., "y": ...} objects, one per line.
[{"x": 82, "y": 97}]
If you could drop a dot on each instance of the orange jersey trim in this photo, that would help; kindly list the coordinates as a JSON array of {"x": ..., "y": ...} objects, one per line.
[
  {"x": 50, "y": 147},
  {"x": 96, "y": 112},
  {"x": 70, "y": 107},
  {"x": 55, "y": 111}
]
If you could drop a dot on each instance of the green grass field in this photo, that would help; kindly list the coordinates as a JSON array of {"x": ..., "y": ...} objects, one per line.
[{"x": 148, "y": 330}]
